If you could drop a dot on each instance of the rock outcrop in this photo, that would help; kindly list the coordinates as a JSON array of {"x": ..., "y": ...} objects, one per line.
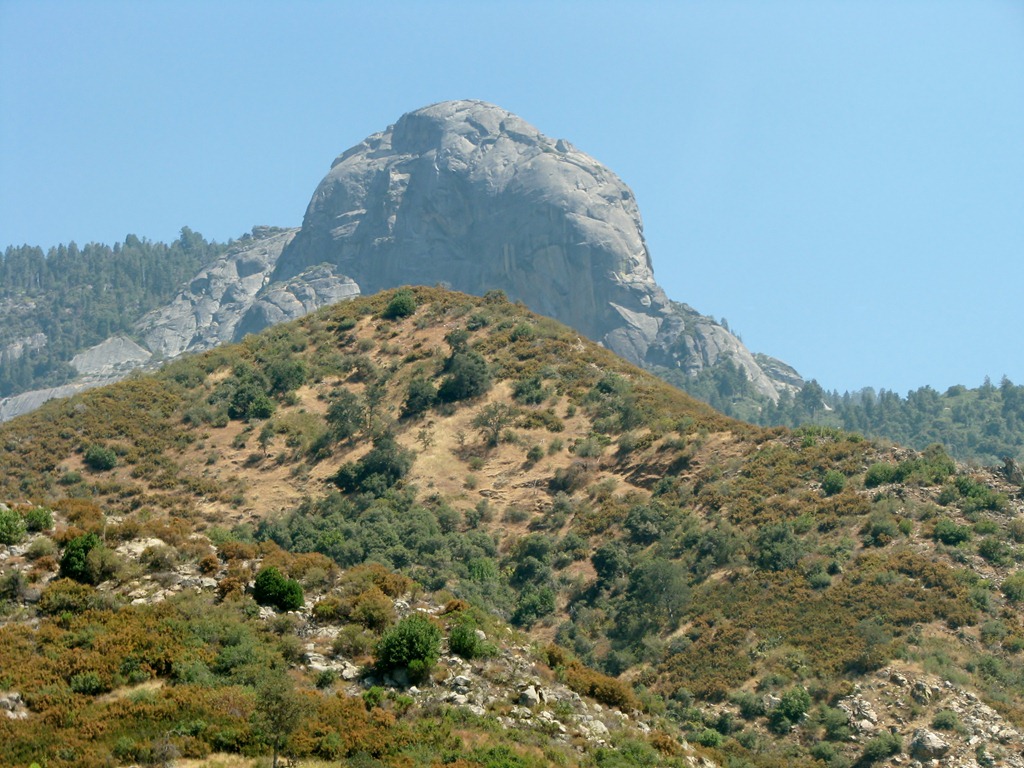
[
  {"x": 105, "y": 363},
  {"x": 236, "y": 295},
  {"x": 114, "y": 356},
  {"x": 208, "y": 310},
  {"x": 461, "y": 193},
  {"x": 466, "y": 194}
]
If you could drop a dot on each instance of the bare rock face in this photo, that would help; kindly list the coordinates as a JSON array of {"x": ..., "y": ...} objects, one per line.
[
  {"x": 105, "y": 363},
  {"x": 279, "y": 302},
  {"x": 927, "y": 745},
  {"x": 208, "y": 310},
  {"x": 111, "y": 357},
  {"x": 466, "y": 194},
  {"x": 235, "y": 295}
]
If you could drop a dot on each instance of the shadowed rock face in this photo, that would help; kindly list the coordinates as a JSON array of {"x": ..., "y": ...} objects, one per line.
[{"x": 466, "y": 194}]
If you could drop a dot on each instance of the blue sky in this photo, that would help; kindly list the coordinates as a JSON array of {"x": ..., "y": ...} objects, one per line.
[{"x": 844, "y": 182}]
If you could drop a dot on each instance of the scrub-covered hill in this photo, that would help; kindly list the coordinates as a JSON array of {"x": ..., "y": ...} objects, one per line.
[{"x": 579, "y": 536}]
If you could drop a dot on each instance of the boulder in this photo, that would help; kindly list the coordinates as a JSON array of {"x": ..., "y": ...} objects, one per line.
[
  {"x": 528, "y": 697},
  {"x": 927, "y": 745}
]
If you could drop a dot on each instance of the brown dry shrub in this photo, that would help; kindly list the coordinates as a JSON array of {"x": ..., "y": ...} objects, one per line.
[
  {"x": 236, "y": 550},
  {"x": 82, "y": 513},
  {"x": 230, "y": 588}
]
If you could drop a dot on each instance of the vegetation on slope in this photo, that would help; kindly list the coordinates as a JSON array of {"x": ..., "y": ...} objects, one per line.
[{"x": 733, "y": 582}]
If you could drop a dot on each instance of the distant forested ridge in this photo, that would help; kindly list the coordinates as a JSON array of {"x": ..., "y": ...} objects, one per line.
[
  {"x": 58, "y": 303},
  {"x": 983, "y": 425}
]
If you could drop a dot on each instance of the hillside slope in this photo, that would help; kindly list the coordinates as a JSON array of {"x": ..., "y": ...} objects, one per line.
[{"x": 771, "y": 597}]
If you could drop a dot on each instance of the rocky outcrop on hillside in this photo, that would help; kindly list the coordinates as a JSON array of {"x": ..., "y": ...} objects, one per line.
[
  {"x": 236, "y": 295},
  {"x": 467, "y": 194},
  {"x": 508, "y": 685},
  {"x": 207, "y": 312},
  {"x": 105, "y": 363},
  {"x": 116, "y": 355}
]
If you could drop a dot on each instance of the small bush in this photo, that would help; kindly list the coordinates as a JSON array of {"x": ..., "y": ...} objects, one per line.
[
  {"x": 879, "y": 474},
  {"x": 12, "y": 527},
  {"x": 402, "y": 304},
  {"x": 420, "y": 397},
  {"x": 950, "y": 533},
  {"x": 709, "y": 737},
  {"x": 880, "y": 529},
  {"x": 272, "y": 588},
  {"x": 466, "y": 377},
  {"x": 995, "y": 550},
  {"x": 100, "y": 458},
  {"x": 464, "y": 641},
  {"x": 833, "y": 482},
  {"x": 74, "y": 562},
  {"x": 946, "y": 720},
  {"x": 67, "y": 596},
  {"x": 38, "y": 519},
  {"x": 413, "y": 643},
  {"x": 373, "y": 609},
  {"x": 882, "y": 746},
  {"x": 750, "y": 705},
  {"x": 1013, "y": 587}
]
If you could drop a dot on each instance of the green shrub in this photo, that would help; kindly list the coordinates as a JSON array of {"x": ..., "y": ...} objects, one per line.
[
  {"x": 833, "y": 482},
  {"x": 709, "y": 737},
  {"x": 750, "y": 705},
  {"x": 995, "y": 550},
  {"x": 946, "y": 720},
  {"x": 530, "y": 391},
  {"x": 790, "y": 710},
  {"x": 464, "y": 641},
  {"x": 1013, "y": 587},
  {"x": 533, "y": 605},
  {"x": 777, "y": 547},
  {"x": 402, "y": 304},
  {"x": 879, "y": 473},
  {"x": 87, "y": 683},
  {"x": 346, "y": 415},
  {"x": 100, "y": 458},
  {"x": 381, "y": 468},
  {"x": 67, "y": 596},
  {"x": 419, "y": 397},
  {"x": 950, "y": 533},
  {"x": 880, "y": 529},
  {"x": 882, "y": 746},
  {"x": 836, "y": 723},
  {"x": 249, "y": 401},
  {"x": 39, "y": 519},
  {"x": 273, "y": 588},
  {"x": 466, "y": 377},
  {"x": 286, "y": 375},
  {"x": 413, "y": 643},
  {"x": 12, "y": 527},
  {"x": 74, "y": 561}
]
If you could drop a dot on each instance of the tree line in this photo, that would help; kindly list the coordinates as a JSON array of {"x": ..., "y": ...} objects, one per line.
[
  {"x": 984, "y": 424},
  {"x": 79, "y": 296}
]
